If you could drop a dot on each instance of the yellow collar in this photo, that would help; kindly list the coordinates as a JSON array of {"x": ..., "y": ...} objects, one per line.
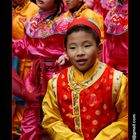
[
  {"x": 80, "y": 77},
  {"x": 77, "y": 13}
]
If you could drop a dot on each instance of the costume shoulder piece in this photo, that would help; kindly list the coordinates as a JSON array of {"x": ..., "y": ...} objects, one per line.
[
  {"x": 108, "y": 4},
  {"x": 41, "y": 27},
  {"x": 61, "y": 23},
  {"x": 116, "y": 20}
]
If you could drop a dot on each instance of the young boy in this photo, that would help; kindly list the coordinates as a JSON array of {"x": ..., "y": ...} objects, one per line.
[{"x": 89, "y": 99}]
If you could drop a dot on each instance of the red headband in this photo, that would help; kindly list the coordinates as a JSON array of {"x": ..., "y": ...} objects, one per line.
[{"x": 85, "y": 21}]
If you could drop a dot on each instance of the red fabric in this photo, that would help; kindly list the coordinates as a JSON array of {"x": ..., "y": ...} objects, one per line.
[
  {"x": 50, "y": 47},
  {"x": 115, "y": 46},
  {"x": 18, "y": 89},
  {"x": 115, "y": 51},
  {"x": 92, "y": 99},
  {"x": 85, "y": 21},
  {"x": 97, "y": 6},
  {"x": 38, "y": 75},
  {"x": 65, "y": 91},
  {"x": 35, "y": 81},
  {"x": 31, "y": 123}
]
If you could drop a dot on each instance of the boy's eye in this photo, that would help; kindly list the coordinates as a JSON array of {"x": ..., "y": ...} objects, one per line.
[
  {"x": 72, "y": 48},
  {"x": 86, "y": 46}
]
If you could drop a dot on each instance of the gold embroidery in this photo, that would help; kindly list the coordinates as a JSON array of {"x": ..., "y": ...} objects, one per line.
[
  {"x": 65, "y": 97},
  {"x": 108, "y": 88},
  {"x": 94, "y": 122},
  {"x": 63, "y": 84},
  {"x": 116, "y": 85},
  {"x": 76, "y": 112},
  {"x": 105, "y": 106},
  {"x": 110, "y": 76},
  {"x": 98, "y": 112},
  {"x": 88, "y": 117},
  {"x": 62, "y": 77},
  {"x": 103, "y": 80},
  {"x": 84, "y": 109},
  {"x": 70, "y": 106},
  {"x": 79, "y": 87}
]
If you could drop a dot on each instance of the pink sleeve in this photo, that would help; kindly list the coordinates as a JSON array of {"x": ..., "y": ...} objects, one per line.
[{"x": 19, "y": 47}]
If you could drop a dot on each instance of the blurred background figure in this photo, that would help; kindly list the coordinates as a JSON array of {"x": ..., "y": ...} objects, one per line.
[
  {"x": 21, "y": 11},
  {"x": 43, "y": 43}
]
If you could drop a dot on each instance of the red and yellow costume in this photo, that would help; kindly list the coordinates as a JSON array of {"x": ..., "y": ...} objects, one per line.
[{"x": 87, "y": 107}]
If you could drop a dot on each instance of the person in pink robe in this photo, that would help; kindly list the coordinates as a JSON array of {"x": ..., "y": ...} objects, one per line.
[
  {"x": 43, "y": 44},
  {"x": 115, "y": 47}
]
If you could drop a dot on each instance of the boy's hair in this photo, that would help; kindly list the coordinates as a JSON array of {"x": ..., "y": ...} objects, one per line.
[{"x": 81, "y": 27}]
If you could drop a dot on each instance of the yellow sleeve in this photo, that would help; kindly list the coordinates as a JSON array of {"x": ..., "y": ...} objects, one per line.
[
  {"x": 52, "y": 121},
  {"x": 20, "y": 17},
  {"x": 118, "y": 130}
]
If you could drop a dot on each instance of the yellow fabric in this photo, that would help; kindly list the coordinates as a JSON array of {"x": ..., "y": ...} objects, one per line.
[
  {"x": 24, "y": 67},
  {"x": 19, "y": 17},
  {"x": 53, "y": 124},
  {"x": 17, "y": 117},
  {"x": 98, "y": 18},
  {"x": 52, "y": 121},
  {"x": 86, "y": 12},
  {"x": 118, "y": 130},
  {"x": 79, "y": 77}
]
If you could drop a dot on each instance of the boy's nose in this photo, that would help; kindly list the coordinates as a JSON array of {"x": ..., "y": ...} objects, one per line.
[{"x": 80, "y": 52}]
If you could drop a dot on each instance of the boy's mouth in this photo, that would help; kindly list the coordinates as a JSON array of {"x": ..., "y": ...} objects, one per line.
[{"x": 81, "y": 61}]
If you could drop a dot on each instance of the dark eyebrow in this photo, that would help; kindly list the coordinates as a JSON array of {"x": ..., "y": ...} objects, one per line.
[
  {"x": 87, "y": 41},
  {"x": 72, "y": 44}
]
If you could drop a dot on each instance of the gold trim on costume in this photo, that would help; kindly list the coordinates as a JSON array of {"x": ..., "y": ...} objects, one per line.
[
  {"x": 116, "y": 85},
  {"x": 76, "y": 112},
  {"x": 79, "y": 87}
]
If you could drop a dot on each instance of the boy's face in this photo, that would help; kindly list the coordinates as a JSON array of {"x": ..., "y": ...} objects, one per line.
[
  {"x": 45, "y": 4},
  {"x": 73, "y": 3},
  {"x": 81, "y": 50}
]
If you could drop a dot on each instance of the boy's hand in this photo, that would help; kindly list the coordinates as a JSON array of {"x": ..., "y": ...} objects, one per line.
[{"x": 62, "y": 59}]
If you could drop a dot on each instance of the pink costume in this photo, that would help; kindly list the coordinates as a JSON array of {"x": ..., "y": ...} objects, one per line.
[
  {"x": 103, "y": 6},
  {"x": 115, "y": 47},
  {"x": 44, "y": 39},
  {"x": 43, "y": 42}
]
